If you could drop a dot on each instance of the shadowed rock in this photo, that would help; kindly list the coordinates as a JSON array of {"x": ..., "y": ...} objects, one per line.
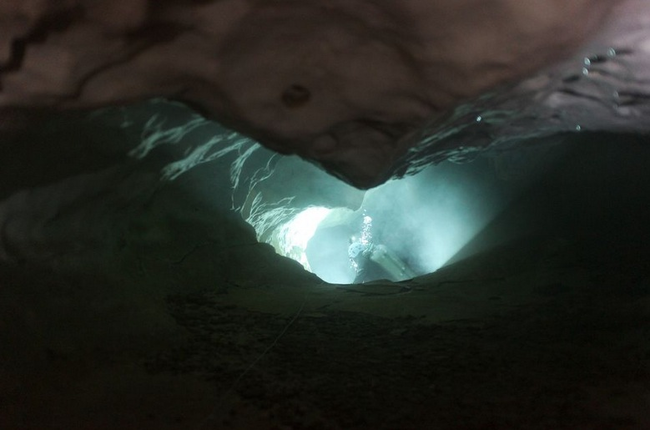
[{"x": 350, "y": 85}]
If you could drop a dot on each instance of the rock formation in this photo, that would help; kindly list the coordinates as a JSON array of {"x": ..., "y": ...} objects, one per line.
[{"x": 348, "y": 84}]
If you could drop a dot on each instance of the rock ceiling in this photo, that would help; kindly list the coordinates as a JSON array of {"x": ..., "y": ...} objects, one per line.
[{"x": 350, "y": 85}]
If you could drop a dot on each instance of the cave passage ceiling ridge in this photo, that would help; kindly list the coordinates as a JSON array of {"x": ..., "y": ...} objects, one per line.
[{"x": 365, "y": 90}]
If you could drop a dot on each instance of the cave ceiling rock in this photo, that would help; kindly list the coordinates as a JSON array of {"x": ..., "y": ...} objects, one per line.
[{"x": 348, "y": 84}]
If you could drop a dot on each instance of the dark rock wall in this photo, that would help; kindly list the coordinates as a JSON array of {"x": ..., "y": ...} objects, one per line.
[{"x": 78, "y": 202}]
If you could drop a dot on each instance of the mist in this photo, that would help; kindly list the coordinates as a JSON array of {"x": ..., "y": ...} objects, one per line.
[{"x": 428, "y": 218}]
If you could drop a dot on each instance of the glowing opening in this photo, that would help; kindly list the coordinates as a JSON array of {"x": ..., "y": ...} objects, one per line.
[{"x": 292, "y": 237}]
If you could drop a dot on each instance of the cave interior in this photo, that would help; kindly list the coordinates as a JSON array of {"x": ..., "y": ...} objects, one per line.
[{"x": 143, "y": 284}]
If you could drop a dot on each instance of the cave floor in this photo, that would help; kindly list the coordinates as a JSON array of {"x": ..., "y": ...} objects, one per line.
[{"x": 536, "y": 335}]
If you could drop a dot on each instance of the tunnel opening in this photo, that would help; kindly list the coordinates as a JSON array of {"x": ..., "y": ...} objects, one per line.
[
  {"x": 291, "y": 238},
  {"x": 414, "y": 225}
]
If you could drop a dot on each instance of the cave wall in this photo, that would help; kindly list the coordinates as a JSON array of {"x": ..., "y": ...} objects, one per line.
[{"x": 80, "y": 201}]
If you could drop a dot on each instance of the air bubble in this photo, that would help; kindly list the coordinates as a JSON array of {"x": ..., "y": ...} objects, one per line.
[
  {"x": 611, "y": 52},
  {"x": 585, "y": 71},
  {"x": 587, "y": 61},
  {"x": 578, "y": 128},
  {"x": 479, "y": 118}
]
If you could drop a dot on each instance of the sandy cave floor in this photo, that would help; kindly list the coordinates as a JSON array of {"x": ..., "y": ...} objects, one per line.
[{"x": 518, "y": 338}]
